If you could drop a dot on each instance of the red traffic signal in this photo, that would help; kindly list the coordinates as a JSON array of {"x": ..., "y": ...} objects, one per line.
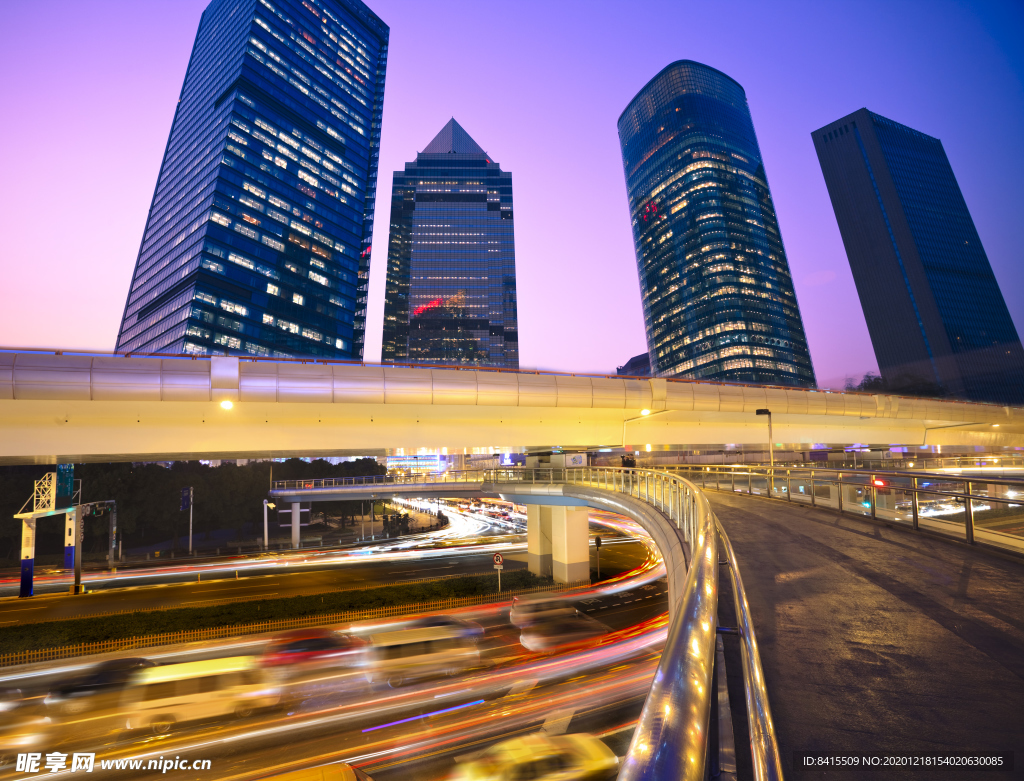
[{"x": 880, "y": 483}]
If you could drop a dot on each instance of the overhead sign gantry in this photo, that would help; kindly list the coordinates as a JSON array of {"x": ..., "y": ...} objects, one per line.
[{"x": 58, "y": 493}]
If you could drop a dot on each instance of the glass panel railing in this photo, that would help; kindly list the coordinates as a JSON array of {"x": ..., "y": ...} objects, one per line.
[
  {"x": 939, "y": 512},
  {"x": 999, "y": 515},
  {"x": 800, "y": 487}
]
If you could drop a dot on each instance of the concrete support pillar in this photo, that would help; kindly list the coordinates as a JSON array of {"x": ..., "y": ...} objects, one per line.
[
  {"x": 69, "y": 540},
  {"x": 296, "y": 515},
  {"x": 538, "y": 539},
  {"x": 28, "y": 555},
  {"x": 570, "y": 544}
]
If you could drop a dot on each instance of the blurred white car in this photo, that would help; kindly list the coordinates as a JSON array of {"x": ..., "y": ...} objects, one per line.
[
  {"x": 541, "y": 607},
  {"x": 562, "y": 757},
  {"x": 545, "y": 635},
  {"x": 410, "y": 654},
  {"x": 161, "y": 697}
]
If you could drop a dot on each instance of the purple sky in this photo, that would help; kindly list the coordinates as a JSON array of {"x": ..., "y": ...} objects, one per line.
[{"x": 88, "y": 89}]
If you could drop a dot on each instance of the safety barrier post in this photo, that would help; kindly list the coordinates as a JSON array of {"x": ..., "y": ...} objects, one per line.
[
  {"x": 968, "y": 514},
  {"x": 914, "y": 504}
]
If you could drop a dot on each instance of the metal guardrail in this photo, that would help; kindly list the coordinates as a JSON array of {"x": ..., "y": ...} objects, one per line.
[
  {"x": 972, "y": 508},
  {"x": 671, "y": 740}
]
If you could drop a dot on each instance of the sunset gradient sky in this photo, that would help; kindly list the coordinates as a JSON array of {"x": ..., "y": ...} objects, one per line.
[{"x": 88, "y": 90}]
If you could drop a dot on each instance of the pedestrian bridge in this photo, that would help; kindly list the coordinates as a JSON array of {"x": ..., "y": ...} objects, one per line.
[
  {"x": 886, "y": 605},
  {"x": 59, "y": 407}
]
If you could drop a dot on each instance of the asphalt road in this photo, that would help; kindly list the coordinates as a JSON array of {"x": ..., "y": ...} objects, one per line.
[
  {"x": 880, "y": 641},
  {"x": 291, "y": 575},
  {"x": 336, "y": 716}
]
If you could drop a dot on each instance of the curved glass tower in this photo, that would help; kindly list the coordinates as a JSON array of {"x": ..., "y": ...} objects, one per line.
[{"x": 717, "y": 294}]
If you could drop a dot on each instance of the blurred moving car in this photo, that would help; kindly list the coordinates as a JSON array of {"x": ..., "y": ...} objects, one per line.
[
  {"x": 313, "y": 649},
  {"x": 337, "y": 771},
  {"x": 160, "y": 697},
  {"x": 463, "y": 627},
  {"x": 23, "y": 724},
  {"x": 561, "y": 757},
  {"x": 100, "y": 687},
  {"x": 540, "y": 607},
  {"x": 408, "y": 654},
  {"x": 545, "y": 635}
]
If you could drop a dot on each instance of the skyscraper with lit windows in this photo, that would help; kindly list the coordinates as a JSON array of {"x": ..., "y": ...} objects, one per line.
[
  {"x": 258, "y": 236},
  {"x": 451, "y": 287},
  {"x": 717, "y": 294}
]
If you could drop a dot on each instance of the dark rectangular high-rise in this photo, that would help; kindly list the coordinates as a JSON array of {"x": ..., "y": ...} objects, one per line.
[
  {"x": 258, "y": 237},
  {"x": 932, "y": 304},
  {"x": 451, "y": 288}
]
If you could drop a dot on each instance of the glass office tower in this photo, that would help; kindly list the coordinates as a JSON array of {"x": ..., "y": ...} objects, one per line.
[
  {"x": 717, "y": 293},
  {"x": 258, "y": 236},
  {"x": 933, "y": 307},
  {"x": 451, "y": 287}
]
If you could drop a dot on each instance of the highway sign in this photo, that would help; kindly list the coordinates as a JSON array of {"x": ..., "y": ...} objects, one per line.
[{"x": 498, "y": 559}]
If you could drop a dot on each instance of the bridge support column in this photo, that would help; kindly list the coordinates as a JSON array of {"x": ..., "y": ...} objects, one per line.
[
  {"x": 296, "y": 515},
  {"x": 69, "y": 540},
  {"x": 28, "y": 555},
  {"x": 538, "y": 539},
  {"x": 570, "y": 544}
]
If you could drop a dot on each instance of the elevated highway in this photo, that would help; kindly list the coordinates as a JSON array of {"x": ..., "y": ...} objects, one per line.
[{"x": 58, "y": 408}]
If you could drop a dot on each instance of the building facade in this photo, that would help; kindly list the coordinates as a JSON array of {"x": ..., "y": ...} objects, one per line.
[
  {"x": 933, "y": 307},
  {"x": 451, "y": 288},
  {"x": 717, "y": 294},
  {"x": 637, "y": 366},
  {"x": 258, "y": 236}
]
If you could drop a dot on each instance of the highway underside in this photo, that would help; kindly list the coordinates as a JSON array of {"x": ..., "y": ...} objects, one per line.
[{"x": 880, "y": 641}]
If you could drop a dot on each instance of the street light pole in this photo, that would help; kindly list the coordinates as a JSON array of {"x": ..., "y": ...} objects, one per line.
[
  {"x": 266, "y": 537},
  {"x": 771, "y": 454}
]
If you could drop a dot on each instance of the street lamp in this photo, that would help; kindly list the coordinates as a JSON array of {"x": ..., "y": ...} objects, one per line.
[
  {"x": 771, "y": 455},
  {"x": 271, "y": 505}
]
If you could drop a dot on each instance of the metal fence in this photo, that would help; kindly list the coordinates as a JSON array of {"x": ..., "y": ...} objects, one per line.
[{"x": 975, "y": 509}]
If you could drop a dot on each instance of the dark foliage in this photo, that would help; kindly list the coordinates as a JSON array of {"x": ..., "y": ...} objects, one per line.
[
  {"x": 54, "y": 634},
  {"x": 902, "y": 385},
  {"x": 148, "y": 496}
]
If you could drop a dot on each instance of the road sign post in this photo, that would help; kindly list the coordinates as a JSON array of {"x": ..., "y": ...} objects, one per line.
[{"x": 498, "y": 565}]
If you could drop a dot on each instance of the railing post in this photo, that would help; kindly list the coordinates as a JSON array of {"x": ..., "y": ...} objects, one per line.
[
  {"x": 732, "y": 473},
  {"x": 969, "y": 514},
  {"x": 873, "y": 496},
  {"x": 812, "y": 489},
  {"x": 789, "y": 485},
  {"x": 839, "y": 493},
  {"x": 913, "y": 504}
]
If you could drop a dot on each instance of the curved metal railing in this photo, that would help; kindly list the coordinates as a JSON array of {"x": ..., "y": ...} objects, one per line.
[{"x": 671, "y": 740}]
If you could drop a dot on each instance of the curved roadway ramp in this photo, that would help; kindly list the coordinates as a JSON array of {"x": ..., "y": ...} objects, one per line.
[{"x": 880, "y": 641}]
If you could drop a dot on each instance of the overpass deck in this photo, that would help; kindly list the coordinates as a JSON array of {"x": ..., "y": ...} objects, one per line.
[{"x": 874, "y": 640}]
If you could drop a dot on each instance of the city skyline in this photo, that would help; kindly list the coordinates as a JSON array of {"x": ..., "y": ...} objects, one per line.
[
  {"x": 788, "y": 100},
  {"x": 451, "y": 263}
]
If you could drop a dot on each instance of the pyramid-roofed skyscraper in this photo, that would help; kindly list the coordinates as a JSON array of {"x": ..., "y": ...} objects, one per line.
[{"x": 451, "y": 287}]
